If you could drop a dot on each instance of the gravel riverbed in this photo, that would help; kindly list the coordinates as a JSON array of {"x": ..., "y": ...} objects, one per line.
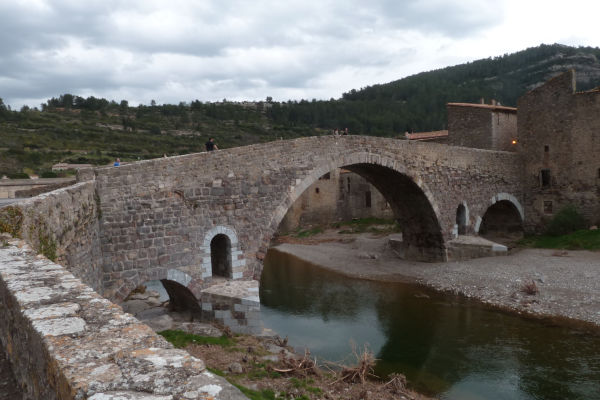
[{"x": 568, "y": 282}]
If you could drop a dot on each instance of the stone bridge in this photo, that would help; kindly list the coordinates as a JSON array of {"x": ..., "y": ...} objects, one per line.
[
  {"x": 184, "y": 219},
  {"x": 198, "y": 223}
]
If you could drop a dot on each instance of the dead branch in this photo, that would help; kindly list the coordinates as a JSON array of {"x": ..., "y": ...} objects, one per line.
[{"x": 365, "y": 362}]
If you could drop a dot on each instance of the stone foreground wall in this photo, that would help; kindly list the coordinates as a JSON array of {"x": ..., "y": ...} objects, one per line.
[
  {"x": 62, "y": 225},
  {"x": 66, "y": 342}
]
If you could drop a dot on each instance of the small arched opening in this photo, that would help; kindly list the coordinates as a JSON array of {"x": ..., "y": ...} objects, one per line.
[
  {"x": 220, "y": 256},
  {"x": 502, "y": 222},
  {"x": 461, "y": 219}
]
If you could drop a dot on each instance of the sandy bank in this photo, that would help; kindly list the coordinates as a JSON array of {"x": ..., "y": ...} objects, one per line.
[{"x": 568, "y": 282}]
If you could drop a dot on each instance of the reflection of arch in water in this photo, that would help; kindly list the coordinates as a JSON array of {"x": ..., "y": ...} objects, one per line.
[
  {"x": 221, "y": 254},
  {"x": 180, "y": 297},
  {"x": 505, "y": 214}
]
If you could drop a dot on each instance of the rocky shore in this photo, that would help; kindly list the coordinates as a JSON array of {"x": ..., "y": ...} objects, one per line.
[{"x": 537, "y": 282}]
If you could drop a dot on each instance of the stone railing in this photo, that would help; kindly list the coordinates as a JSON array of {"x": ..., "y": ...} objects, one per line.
[
  {"x": 63, "y": 226},
  {"x": 64, "y": 341}
]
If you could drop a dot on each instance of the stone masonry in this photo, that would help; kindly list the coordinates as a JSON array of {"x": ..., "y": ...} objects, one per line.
[
  {"x": 482, "y": 126},
  {"x": 559, "y": 137},
  {"x": 157, "y": 215}
]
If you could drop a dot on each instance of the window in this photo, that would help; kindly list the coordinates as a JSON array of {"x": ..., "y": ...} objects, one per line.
[
  {"x": 545, "y": 177},
  {"x": 348, "y": 183},
  {"x": 317, "y": 190},
  {"x": 547, "y": 206},
  {"x": 598, "y": 172},
  {"x": 368, "y": 199},
  {"x": 546, "y": 149}
]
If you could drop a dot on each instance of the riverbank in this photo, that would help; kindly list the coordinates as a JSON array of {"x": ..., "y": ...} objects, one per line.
[
  {"x": 567, "y": 283},
  {"x": 264, "y": 367}
]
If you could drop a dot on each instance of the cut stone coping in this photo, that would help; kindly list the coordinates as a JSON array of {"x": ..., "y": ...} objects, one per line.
[
  {"x": 245, "y": 290},
  {"x": 64, "y": 341}
]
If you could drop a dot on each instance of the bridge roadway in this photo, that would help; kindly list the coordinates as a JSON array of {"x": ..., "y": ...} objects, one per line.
[{"x": 172, "y": 214}]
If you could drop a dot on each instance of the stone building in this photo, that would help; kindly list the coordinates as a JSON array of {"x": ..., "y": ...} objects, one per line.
[
  {"x": 559, "y": 138},
  {"x": 482, "y": 126},
  {"x": 557, "y": 133},
  {"x": 339, "y": 195}
]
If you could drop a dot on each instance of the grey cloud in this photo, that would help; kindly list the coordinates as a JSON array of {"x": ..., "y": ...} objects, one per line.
[{"x": 140, "y": 47}]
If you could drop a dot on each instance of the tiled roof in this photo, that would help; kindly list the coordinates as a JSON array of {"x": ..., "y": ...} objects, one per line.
[
  {"x": 427, "y": 135},
  {"x": 487, "y": 106}
]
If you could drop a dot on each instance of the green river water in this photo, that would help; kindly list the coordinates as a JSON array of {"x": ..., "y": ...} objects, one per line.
[{"x": 447, "y": 346}]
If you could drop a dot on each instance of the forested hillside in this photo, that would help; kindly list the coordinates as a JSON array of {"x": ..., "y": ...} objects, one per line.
[{"x": 70, "y": 128}]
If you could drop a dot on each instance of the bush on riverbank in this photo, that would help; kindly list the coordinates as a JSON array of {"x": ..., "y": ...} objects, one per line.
[{"x": 566, "y": 220}]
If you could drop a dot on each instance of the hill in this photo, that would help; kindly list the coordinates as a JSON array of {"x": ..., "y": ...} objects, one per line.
[
  {"x": 504, "y": 78},
  {"x": 72, "y": 129}
]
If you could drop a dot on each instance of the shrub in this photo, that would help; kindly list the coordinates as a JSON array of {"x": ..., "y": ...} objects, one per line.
[
  {"x": 566, "y": 220},
  {"x": 48, "y": 174},
  {"x": 18, "y": 175}
]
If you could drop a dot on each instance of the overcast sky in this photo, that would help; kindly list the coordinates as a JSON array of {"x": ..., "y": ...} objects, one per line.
[{"x": 177, "y": 50}]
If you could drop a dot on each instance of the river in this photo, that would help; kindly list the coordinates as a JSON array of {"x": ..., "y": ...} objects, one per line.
[{"x": 446, "y": 345}]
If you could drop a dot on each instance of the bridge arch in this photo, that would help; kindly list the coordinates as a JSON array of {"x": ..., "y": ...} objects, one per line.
[
  {"x": 221, "y": 254},
  {"x": 504, "y": 212},
  {"x": 173, "y": 277},
  {"x": 412, "y": 202}
]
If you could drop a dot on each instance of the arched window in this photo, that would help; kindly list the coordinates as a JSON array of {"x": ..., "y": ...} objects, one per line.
[{"x": 220, "y": 256}]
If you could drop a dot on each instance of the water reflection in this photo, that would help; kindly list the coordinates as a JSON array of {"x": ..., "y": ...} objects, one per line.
[{"x": 445, "y": 345}]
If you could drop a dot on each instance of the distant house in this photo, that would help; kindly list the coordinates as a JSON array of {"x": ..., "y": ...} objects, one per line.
[{"x": 65, "y": 166}]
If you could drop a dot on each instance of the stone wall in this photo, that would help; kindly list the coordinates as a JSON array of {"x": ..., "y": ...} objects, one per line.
[
  {"x": 11, "y": 188},
  {"x": 482, "y": 126},
  {"x": 64, "y": 341},
  {"x": 156, "y": 213},
  {"x": 559, "y": 133},
  {"x": 62, "y": 225}
]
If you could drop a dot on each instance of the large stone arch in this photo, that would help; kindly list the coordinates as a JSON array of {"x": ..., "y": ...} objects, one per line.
[
  {"x": 407, "y": 184},
  {"x": 236, "y": 256}
]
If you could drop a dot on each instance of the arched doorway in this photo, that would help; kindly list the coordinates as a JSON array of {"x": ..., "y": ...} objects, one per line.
[
  {"x": 461, "y": 219},
  {"x": 220, "y": 256}
]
